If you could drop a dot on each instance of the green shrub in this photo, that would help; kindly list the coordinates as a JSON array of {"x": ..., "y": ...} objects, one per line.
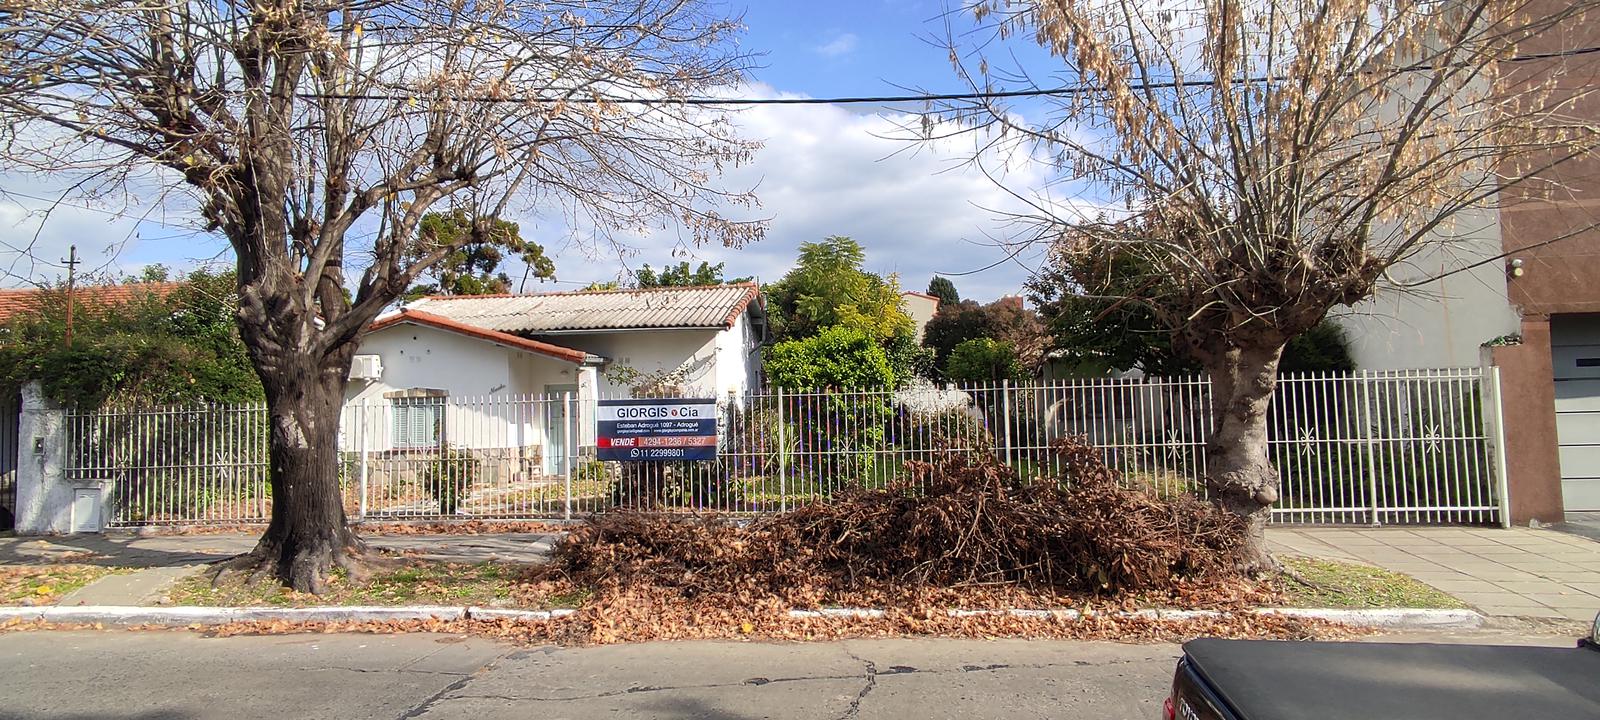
[
  {"x": 838, "y": 358},
  {"x": 589, "y": 470},
  {"x": 449, "y": 477},
  {"x": 984, "y": 360}
]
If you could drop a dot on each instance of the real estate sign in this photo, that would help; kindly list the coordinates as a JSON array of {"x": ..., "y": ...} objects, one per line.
[{"x": 657, "y": 429}]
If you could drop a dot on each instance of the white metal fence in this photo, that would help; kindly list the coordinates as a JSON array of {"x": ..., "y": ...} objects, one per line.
[{"x": 1410, "y": 447}]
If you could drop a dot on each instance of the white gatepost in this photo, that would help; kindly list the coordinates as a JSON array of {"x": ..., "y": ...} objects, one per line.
[
  {"x": 569, "y": 442},
  {"x": 1494, "y": 418},
  {"x": 47, "y": 503}
]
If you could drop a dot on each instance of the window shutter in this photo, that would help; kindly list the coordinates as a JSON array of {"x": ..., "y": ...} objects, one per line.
[{"x": 417, "y": 422}]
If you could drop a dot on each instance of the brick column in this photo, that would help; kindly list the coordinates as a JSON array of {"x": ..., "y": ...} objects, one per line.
[{"x": 1528, "y": 397}]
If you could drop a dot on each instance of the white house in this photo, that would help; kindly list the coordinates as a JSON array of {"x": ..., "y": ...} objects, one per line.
[{"x": 521, "y": 373}]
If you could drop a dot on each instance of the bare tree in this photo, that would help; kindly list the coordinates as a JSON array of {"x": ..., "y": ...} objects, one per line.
[
  {"x": 302, "y": 127},
  {"x": 1265, "y": 161}
]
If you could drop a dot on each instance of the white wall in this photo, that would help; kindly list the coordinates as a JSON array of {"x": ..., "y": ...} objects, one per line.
[
  {"x": 650, "y": 351},
  {"x": 738, "y": 359},
  {"x": 488, "y": 388},
  {"x": 1441, "y": 324}
]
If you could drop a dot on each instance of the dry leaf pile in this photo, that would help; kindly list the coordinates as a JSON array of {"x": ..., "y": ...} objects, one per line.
[{"x": 954, "y": 525}]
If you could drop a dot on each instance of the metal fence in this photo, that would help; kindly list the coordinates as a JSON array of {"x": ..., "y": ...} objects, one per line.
[
  {"x": 10, "y": 421},
  {"x": 1391, "y": 448}
]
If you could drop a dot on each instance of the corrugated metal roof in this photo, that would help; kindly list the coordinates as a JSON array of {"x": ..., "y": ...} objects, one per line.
[{"x": 678, "y": 307}]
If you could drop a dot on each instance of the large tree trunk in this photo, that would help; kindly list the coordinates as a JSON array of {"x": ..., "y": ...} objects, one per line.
[
  {"x": 1240, "y": 476},
  {"x": 308, "y": 535}
]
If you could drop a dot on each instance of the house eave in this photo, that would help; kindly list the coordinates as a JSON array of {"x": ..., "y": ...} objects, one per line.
[{"x": 612, "y": 331}]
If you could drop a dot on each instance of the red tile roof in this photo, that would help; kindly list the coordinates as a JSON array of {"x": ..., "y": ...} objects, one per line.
[
  {"x": 419, "y": 317},
  {"x": 15, "y": 302}
]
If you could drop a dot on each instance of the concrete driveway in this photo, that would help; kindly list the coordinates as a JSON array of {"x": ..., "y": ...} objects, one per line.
[{"x": 121, "y": 675}]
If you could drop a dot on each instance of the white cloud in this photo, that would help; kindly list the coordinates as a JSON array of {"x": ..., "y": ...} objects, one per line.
[
  {"x": 843, "y": 44},
  {"x": 825, "y": 170},
  {"x": 39, "y": 223}
]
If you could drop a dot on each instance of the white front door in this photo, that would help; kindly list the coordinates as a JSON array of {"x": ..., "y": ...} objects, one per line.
[{"x": 560, "y": 405}]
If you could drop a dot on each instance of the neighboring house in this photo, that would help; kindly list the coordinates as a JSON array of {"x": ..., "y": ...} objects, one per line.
[
  {"x": 1520, "y": 291},
  {"x": 523, "y": 371},
  {"x": 921, "y": 307},
  {"x": 17, "y": 302},
  {"x": 14, "y": 303}
]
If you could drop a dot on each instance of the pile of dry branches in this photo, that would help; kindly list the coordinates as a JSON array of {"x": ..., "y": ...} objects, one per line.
[{"x": 954, "y": 524}]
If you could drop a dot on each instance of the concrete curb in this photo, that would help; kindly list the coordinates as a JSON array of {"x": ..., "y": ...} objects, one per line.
[
  {"x": 1391, "y": 618},
  {"x": 189, "y": 615},
  {"x": 1387, "y": 619}
]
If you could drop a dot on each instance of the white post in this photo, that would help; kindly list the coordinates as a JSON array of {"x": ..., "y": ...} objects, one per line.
[
  {"x": 1005, "y": 415},
  {"x": 783, "y": 465},
  {"x": 44, "y": 498},
  {"x": 1372, "y": 444},
  {"x": 566, "y": 464},
  {"x": 1497, "y": 427},
  {"x": 361, "y": 437}
]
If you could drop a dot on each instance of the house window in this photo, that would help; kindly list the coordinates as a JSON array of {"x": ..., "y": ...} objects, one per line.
[{"x": 418, "y": 422}]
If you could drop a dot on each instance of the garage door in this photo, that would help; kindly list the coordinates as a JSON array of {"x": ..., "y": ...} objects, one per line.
[{"x": 1575, "y": 352}]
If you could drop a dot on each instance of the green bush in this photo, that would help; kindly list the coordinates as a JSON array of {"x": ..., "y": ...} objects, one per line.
[
  {"x": 838, "y": 358},
  {"x": 589, "y": 470},
  {"x": 908, "y": 360},
  {"x": 984, "y": 360},
  {"x": 163, "y": 345},
  {"x": 449, "y": 477}
]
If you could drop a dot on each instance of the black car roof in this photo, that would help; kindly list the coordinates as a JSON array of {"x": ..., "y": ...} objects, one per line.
[{"x": 1282, "y": 680}]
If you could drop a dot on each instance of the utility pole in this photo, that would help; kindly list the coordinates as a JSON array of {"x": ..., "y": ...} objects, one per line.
[{"x": 72, "y": 266}]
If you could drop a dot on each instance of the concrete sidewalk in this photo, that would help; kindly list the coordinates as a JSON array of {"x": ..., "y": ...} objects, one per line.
[
  {"x": 163, "y": 559},
  {"x": 127, "y": 550},
  {"x": 1502, "y": 572}
]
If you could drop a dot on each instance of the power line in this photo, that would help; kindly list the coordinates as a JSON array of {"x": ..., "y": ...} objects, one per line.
[
  {"x": 102, "y": 211},
  {"x": 1065, "y": 90}
]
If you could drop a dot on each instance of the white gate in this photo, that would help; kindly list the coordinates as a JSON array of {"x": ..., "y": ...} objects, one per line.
[{"x": 1365, "y": 448}]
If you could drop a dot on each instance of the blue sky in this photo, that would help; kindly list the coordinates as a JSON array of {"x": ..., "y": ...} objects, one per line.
[
  {"x": 825, "y": 170},
  {"x": 848, "y": 48}
]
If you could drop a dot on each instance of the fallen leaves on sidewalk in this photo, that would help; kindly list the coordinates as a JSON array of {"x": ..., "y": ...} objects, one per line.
[
  {"x": 467, "y": 527},
  {"x": 453, "y": 527},
  {"x": 417, "y": 582},
  {"x": 46, "y": 584},
  {"x": 580, "y": 630}
]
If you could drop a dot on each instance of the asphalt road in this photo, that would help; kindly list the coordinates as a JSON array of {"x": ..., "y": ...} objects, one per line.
[{"x": 117, "y": 675}]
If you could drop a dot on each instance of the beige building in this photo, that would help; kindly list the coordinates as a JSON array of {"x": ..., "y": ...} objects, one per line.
[{"x": 921, "y": 307}]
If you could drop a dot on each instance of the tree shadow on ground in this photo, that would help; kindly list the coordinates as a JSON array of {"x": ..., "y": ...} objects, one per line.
[
  {"x": 107, "y": 715},
  {"x": 692, "y": 708},
  {"x": 115, "y": 551}
]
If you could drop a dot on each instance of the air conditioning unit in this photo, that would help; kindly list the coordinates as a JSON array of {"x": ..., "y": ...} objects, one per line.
[{"x": 366, "y": 367}]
